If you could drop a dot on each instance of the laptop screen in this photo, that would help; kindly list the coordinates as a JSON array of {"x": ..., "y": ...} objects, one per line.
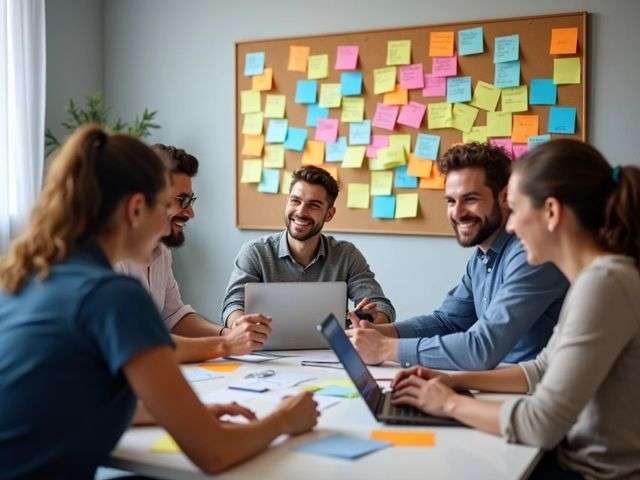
[{"x": 353, "y": 364}]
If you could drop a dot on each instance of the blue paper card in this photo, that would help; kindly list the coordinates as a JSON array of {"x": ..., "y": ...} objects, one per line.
[
  {"x": 351, "y": 83},
  {"x": 402, "y": 180},
  {"x": 458, "y": 89},
  {"x": 384, "y": 206},
  {"x": 337, "y": 391},
  {"x": 270, "y": 182},
  {"x": 253, "y": 64},
  {"x": 296, "y": 138},
  {"x": 507, "y": 74},
  {"x": 562, "y": 120},
  {"x": 277, "y": 130},
  {"x": 535, "y": 140},
  {"x": 506, "y": 49},
  {"x": 427, "y": 146},
  {"x": 470, "y": 41},
  {"x": 314, "y": 112},
  {"x": 543, "y": 92},
  {"x": 306, "y": 91},
  {"x": 360, "y": 133},
  {"x": 334, "y": 152},
  {"x": 342, "y": 446}
]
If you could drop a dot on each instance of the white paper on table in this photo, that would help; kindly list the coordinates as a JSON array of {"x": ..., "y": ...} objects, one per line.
[
  {"x": 252, "y": 358},
  {"x": 224, "y": 395},
  {"x": 323, "y": 401},
  {"x": 321, "y": 357},
  {"x": 196, "y": 374}
]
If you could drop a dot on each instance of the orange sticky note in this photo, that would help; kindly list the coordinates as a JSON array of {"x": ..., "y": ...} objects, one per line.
[
  {"x": 313, "y": 153},
  {"x": 564, "y": 40},
  {"x": 441, "y": 44},
  {"x": 434, "y": 182},
  {"x": 419, "y": 167},
  {"x": 333, "y": 171},
  {"x": 223, "y": 367},
  {"x": 262, "y": 82},
  {"x": 405, "y": 438},
  {"x": 298, "y": 57},
  {"x": 524, "y": 126},
  {"x": 253, "y": 145},
  {"x": 399, "y": 96}
]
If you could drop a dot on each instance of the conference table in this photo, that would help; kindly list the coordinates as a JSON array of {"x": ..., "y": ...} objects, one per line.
[{"x": 458, "y": 453}]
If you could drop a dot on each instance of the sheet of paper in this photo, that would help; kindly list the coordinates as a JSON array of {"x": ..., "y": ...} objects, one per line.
[
  {"x": 458, "y": 89},
  {"x": 485, "y": 96},
  {"x": 464, "y": 116},
  {"x": 346, "y": 57},
  {"x": 270, "y": 182},
  {"x": 385, "y": 116},
  {"x": 524, "y": 126},
  {"x": 434, "y": 86},
  {"x": 249, "y": 101},
  {"x": 427, "y": 146},
  {"x": 411, "y": 76},
  {"x": 273, "y": 156},
  {"x": 165, "y": 444},
  {"x": 381, "y": 183},
  {"x": 317, "y": 67},
  {"x": 264, "y": 81},
  {"x": 499, "y": 124},
  {"x": 477, "y": 134},
  {"x": 351, "y": 83},
  {"x": 296, "y": 138},
  {"x": 252, "y": 124},
  {"x": 320, "y": 356},
  {"x": 306, "y": 91},
  {"x": 358, "y": 195},
  {"x": 406, "y": 205},
  {"x": 360, "y": 133},
  {"x": 401, "y": 141},
  {"x": 398, "y": 52},
  {"x": 515, "y": 99},
  {"x": 377, "y": 142},
  {"x": 384, "y": 80},
  {"x": 506, "y": 49},
  {"x": 563, "y": 41},
  {"x": 566, "y": 70},
  {"x": 352, "y": 109},
  {"x": 519, "y": 150},
  {"x": 405, "y": 438},
  {"x": 562, "y": 120},
  {"x": 251, "y": 171},
  {"x": 277, "y": 130},
  {"x": 298, "y": 58},
  {"x": 384, "y": 207},
  {"x": 327, "y": 130},
  {"x": 285, "y": 184},
  {"x": 337, "y": 391},
  {"x": 342, "y": 446},
  {"x": 543, "y": 92},
  {"x": 252, "y": 358},
  {"x": 390, "y": 157},
  {"x": 419, "y": 167},
  {"x": 402, "y": 178},
  {"x": 315, "y": 112},
  {"x": 470, "y": 41},
  {"x": 507, "y": 74},
  {"x": 330, "y": 96},
  {"x": 285, "y": 380},
  {"x": 274, "y": 106},
  {"x": 196, "y": 374},
  {"x": 252, "y": 146},
  {"x": 399, "y": 96},
  {"x": 537, "y": 140},
  {"x": 353, "y": 157},
  {"x": 411, "y": 115},
  {"x": 504, "y": 143},
  {"x": 313, "y": 153},
  {"x": 253, "y": 63},
  {"x": 439, "y": 115},
  {"x": 223, "y": 367},
  {"x": 334, "y": 152},
  {"x": 435, "y": 182},
  {"x": 444, "y": 66},
  {"x": 441, "y": 44}
]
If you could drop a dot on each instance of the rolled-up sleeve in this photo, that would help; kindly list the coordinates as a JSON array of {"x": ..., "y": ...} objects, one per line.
[
  {"x": 173, "y": 309},
  {"x": 245, "y": 270}
]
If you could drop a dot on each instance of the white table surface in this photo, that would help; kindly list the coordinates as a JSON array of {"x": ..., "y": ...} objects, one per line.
[{"x": 459, "y": 453}]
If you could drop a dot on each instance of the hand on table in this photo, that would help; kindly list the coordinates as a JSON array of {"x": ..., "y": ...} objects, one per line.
[
  {"x": 232, "y": 409},
  {"x": 300, "y": 413},
  {"x": 249, "y": 333}
]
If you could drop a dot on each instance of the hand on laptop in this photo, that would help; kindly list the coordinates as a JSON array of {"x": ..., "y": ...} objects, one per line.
[
  {"x": 373, "y": 346},
  {"x": 299, "y": 413},
  {"x": 248, "y": 333},
  {"x": 424, "y": 389}
]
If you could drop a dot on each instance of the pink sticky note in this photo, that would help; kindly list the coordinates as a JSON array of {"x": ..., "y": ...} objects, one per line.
[
  {"x": 347, "y": 57},
  {"x": 377, "y": 142},
  {"x": 411, "y": 76},
  {"x": 411, "y": 114},
  {"x": 385, "y": 116},
  {"x": 327, "y": 130},
  {"x": 434, "y": 86},
  {"x": 444, "y": 66},
  {"x": 505, "y": 143},
  {"x": 519, "y": 149}
]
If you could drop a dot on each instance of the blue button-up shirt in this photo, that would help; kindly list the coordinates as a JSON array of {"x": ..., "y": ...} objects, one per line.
[{"x": 503, "y": 310}]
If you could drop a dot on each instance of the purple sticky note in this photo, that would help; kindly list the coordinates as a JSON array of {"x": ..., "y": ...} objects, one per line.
[
  {"x": 327, "y": 130},
  {"x": 347, "y": 57},
  {"x": 385, "y": 116},
  {"x": 411, "y": 76},
  {"x": 444, "y": 66},
  {"x": 434, "y": 86},
  {"x": 504, "y": 143},
  {"x": 377, "y": 142},
  {"x": 519, "y": 149},
  {"x": 411, "y": 114}
]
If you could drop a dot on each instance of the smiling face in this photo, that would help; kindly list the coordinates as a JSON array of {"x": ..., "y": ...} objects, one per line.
[
  {"x": 307, "y": 210},
  {"x": 181, "y": 186}
]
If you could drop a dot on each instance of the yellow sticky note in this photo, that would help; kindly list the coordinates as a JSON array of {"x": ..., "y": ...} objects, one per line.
[
  {"x": 286, "y": 182},
  {"x": 330, "y": 95},
  {"x": 251, "y": 173},
  {"x": 384, "y": 80},
  {"x": 358, "y": 195},
  {"x": 274, "y": 106},
  {"x": 273, "y": 156},
  {"x": 264, "y": 81},
  {"x": 498, "y": 124},
  {"x": 405, "y": 438},
  {"x": 401, "y": 141},
  {"x": 485, "y": 96},
  {"x": 566, "y": 70},
  {"x": 313, "y": 153},
  {"x": 224, "y": 367},
  {"x": 439, "y": 115},
  {"x": 375, "y": 164},
  {"x": 515, "y": 99},
  {"x": 252, "y": 124},
  {"x": 381, "y": 183},
  {"x": 165, "y": 444},
  {"x": 354, "y": 156},
  {"x": 253, "y": 145},
  {"x": 435, "y": 182},
  {"x": 391, "y": 157},
  {"x": 249, "y": 101},
  {"x": 524, "y": 126},
  {"x": 333, "y": 171},
  {"x": 477, "y": 134},
  {"x": 352, "y": 109},
  {"x": 441, "y": 44},
  {"x": 399, "y": 96},
  {"x": 398, "y": 52},
  {"x": 406, "y": 205},
  {"x": 563, "y": 40},
  {"x": 464, "y": 116},
  {"x": 298, "y": 58},
  {"x": 318, "y": 67},
  {"x": 419, "y": 167}
]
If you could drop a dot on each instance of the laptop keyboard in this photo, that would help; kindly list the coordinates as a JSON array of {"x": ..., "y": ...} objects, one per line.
[{"x": 400, "y": 411}]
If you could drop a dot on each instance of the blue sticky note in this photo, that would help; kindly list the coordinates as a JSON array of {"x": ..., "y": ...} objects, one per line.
[
  {"x": 351, "y": 83},
  {"x": 458, "y": 89},
  {"x": 277, "y": 130},
  {"x": 360, "y": 133},
  {"x": 507, "y": 74},
  {"x": 470, "y": 41},
  {"x": 314, "y": 112},
  {"x": 402, "y": 180},
  {"x": 296, "y": 138},
  {"x": 384, "y": 206},
  {"x": 562, "y": 120},
  {"x": 536, "y": 140},
  {"x": 427, "y": 146},
  {"x": 506, "y": 49},
  {"x": 342, "y": 446},
  {"x": 337, "y": 391},
  {"x": 270, "y": 182},
  {"x": 334, "y": 152},
  {"x": 254, "y": 63},
  {"x": 306, "y": 91},
  {"x": 543, "y": 92}
]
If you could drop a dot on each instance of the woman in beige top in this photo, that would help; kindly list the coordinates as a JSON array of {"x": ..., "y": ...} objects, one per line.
[{"x": 569, "y": 207}]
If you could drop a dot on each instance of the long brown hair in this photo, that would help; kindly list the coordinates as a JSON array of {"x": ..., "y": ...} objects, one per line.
[
  {"x": 87, "y": 180},
  {"x": 606, "y": 200}
]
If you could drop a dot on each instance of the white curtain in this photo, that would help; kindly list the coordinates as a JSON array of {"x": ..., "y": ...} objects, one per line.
[{"x": 22, "y": 110}]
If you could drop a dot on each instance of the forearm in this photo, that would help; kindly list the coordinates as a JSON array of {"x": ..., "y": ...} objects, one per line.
[
  {"x": 501, "y": 380},
  {"x": 142, "y": 416},
  {"x": 233, "y": 317},
  {"x": 191, "y": 350},
  {"x": 195, "y": 325},
  {"x": 481, "y": 414}
]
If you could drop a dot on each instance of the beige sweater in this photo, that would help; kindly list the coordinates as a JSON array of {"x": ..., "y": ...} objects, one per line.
[{"x": 585, "y": 385}]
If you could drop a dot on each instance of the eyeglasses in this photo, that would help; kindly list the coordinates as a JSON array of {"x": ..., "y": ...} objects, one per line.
[
  {"x": 185, "y": 200},
  {"x": 262, "y": 374}
]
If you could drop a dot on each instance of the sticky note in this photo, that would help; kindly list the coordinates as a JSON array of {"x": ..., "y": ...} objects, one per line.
[
  {"x": 298, "y": 57},
  {"x": 515, "y": 99},
  {"x": 296, "y": 138},
  {"x": 314, "y": 113},
  {"x": 253, "y": 63},
  {"x": 351, "y": 83},
  {"x": 317, "y": 67},
  {"x": 401, "y": 141},
  {"x": 352, "y": 109},
  {"x": 277, "y": 130},
  {"x": 504, "y": 143},
  {"x": 566, "y": 70},
  {"x": 330, "y": 95},
  {"x": 543, "y": 92},
  {"x": 441, "y": 44},
  {"x": 411, "y": 76},
  {"x": 507, "y": 74},
  {"x": 253, "y": 145},
  {"x": 385, "y": 116},
  {"x": 251, "y": 172},
  {"x": 399, "y": 96},
  {"x": 334, "y": 152},
  {"x": 485, "y": 96},
  {"x": 264, "y": 81},
  {"x": 563, "y": 40},
  {"x": 427, "y": 146},
  {"x": 358, "y": 195},
  {"x": 506, "y": 49},
  {"x": 346, "y": 57},
  {"x": 270, "y": 182},
  {"x": 165, "y": 444},
  {"x": 249, "y": 101},
  {"x": 444, "y": 66},
  {"x": 499, "y": 124},
  {"x": 411, "y": 115},
  {"x": 519, "y": 150},
  {"x": 562, "y": 120},
  {"x": 439, "y": 115},
  {"x": 384, "y": 206},
  {"x": 477, "y": 134},
  {"x": 381, "y": 183},
  {"x": 418, "y": 167},
  {"x": 285, "y": 184},
  {"x": 313, "y": 153},
  {"x": 405, "y": 438},
  {"x": 434, "y": 86},
  {"x": 274, "y": 106},
  {"x": 458, "y": 89},
  {"x": 391, "y": 157},
  {"x": 252, "y": 124},
  {"x": 537, "y": 140},
  {"x": 434, "y": 182},
  {"x": 353, "y": 157},
  {"x": 406, "y": 205},
  {"x": 327, "y": 130},
  {"x": 524, "y": 126},
  {"x": 375, "y": 164},
  {"x": 342, "y": 446},
  {"x": 360, "y": 133},
  {"x": 377, "y": 142},
  {"x": 398, "y": 52},
  {"x": 306, "y": 91},
  {"x": 464, "y": 116},
  {"x": 384, "y": 80},
  {"x": 273, "y": 156},
  {"x": 470, "y": 41},
  {"x": 403, "y": 179},
  {"x": 338, "y": 391}
]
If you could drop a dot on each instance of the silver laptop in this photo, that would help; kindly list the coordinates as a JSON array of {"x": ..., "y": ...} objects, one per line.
[{"x": 295, "y": 308}]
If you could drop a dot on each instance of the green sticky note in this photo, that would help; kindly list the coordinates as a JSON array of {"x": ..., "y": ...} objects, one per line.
[
  {"x": 273, "y": 155},
  {"x": 485, "y": 96},
  {"x": 384, "y": 80},
  {"x": 317, "y": 67},
  {"x": 352, "y": 109},
  {"x": 464, "y": 116},
  {"x": 566, "y": 70},
  {"x": 329, "y": 95},
  {"x": 391, "y": 157},
  {"x": 381, "y": 183},
  {"x": 252, "y": 123},
  {"x": 499, "y": 124},
  {"x": 285, "y": 184},
  {"x": 477, "y": 134},
  {"x": 249, "y": 101},
  {"x": 274, "y": 106},
  {"x": 358, "y": 195},
  {"x": 401, "y": 141},
  {"x": 439, "y": 115},
  {"x": 515, "y": 99},
  {"x": 399, "y": 52},
  {"x": 406, "y": 205},
  {"x": 251, "y": 171},
  {"x": 354, "y": 157}
]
